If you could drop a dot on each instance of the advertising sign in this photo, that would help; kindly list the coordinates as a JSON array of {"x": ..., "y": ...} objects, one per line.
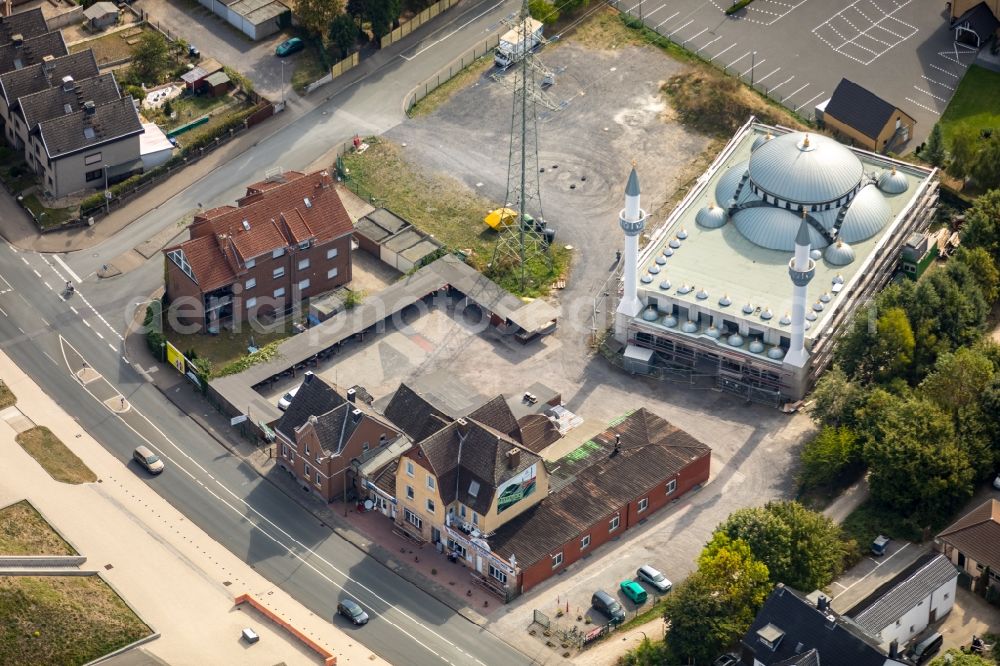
[
  {"x": 176, "y": 358},
  {"x": 514, "y": 490}
]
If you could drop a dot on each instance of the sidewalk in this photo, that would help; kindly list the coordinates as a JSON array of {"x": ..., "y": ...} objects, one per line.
[
  {"x": 848, "y": 501},
  {"x": 161, "y": 564},
  {"x": 181, "y": 393}
]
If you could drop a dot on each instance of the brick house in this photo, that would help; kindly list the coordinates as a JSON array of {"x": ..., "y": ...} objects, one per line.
[
  {"x": 288, "y": 239},
  {"x": 322, "y": 431},
  {"x": 972, "y": 543},
  {"x": 597, "y": 492}
]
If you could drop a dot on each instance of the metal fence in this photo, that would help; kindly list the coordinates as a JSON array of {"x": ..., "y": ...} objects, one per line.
[
  {"x": 415, "y": 22},
  {"x": 446, "y": 73}
]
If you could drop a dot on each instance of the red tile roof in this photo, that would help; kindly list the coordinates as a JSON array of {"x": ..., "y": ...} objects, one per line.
[{"x": 275, "y": 214}]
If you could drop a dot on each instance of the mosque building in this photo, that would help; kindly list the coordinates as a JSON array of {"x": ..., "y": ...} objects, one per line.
[{"x": 765, "y": 261}]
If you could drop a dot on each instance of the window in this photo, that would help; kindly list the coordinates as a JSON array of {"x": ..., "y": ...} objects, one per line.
[
  {"x": 251, "y": 263},
  {"x": 458, "y": 548},
  {"x": 278, "y": 272},
  {"x": 475, "y": 518},
  {"x": 413, "y": 519},
  {"x": 671, "y": 486},
  {"x": 303, "y": 264},
  {"x": 307, "y": 450},
  {"x": 304, "y": 284},
  {"x": 461, "y": 510},
  {"x": 409, "y": 468},
  {"x": 331, "y": 253},
  {"x": 304, "y": 245},
  {"x": 474, "y": 488},
  {"x": 94, "y": 175},
  {"x": 250, "y": 283},
  {"x": 251, "y": 302},
  {"x": 557, "y": 559},
  {"x": 332, "y": 273},
  {"x": 430, "y": 482},
  {"x": 643, "y": 504},
  {"x": 277, "y": 252},
  {"x": 93, "y": 158},
  {"x": 307, "y": 470},
  {"x": 409, "y": 492},
  {"x": 284, "y": 450},
  {"x": 364, "y": 447},
  {"x": 430, "y": 506},
  {"x": 381, "y": 440},
  {"x": 615, "y": 522},
  {"x": 279, "y": 292},
  {"x": 497, "y": 574},
  {"x": 585, "y": 542},
  {"x": 179, "y": 258}
]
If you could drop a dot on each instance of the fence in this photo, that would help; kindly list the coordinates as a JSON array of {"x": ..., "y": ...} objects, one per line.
[
  {"x": 446, "y": 73},
  {"x": 71, "y": 17},
  {"x": 417, "y": 21}
]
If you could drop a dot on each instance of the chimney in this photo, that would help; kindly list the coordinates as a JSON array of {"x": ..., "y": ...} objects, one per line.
[
  {"x": 822, "y": 603},
  {"x": 356, "y": 415},
  {"x": 17, "y": 40},
  {"x": 67, "y": 83},
  {"x": 463, "y": 426},
  {"x": 513, "y": 458},
  {"x": 308, "y": 378},
  {"x": 89, "y": 108},
  {"x": 618, "y": 446},
  {"x": 894, "y": 650},
  {"x": 313, "y": 420},
  {"x": 351, "y": 395}
]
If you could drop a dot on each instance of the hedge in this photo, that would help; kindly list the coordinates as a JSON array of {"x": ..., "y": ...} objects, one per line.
[{"x": 737, "y": 6}]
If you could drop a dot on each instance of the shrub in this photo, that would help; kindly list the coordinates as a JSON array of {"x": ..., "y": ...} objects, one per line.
[
  {"x": 829, "y": 456},
  {"x": 737, "y": 6}
]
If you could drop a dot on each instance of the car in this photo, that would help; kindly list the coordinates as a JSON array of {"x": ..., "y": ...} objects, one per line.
[
  {"x": 286, "y": 399},
  {"x": 728, "y": 659},
  {"x": 193, "y": 51},
  {"x": 352, "y": 611},
  {"x": 148, "y": 459},
  {"x": 651, "y": 576},
  {"x": 289, "y": 46},
  {"x": 879, "y": 545},
  {"x": 605, "y": 603},
  {"x": 633, "y": 591}
]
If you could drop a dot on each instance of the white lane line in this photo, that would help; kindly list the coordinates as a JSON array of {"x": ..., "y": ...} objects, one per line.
[
  {"x": 13, "y": 249},
  {"x": 98, "y": 334},
  {"x": 654, "y": 11},
  {"x": 942, "y": 69},
  {"x": 45, "y": 322},
  {"x": 113, "y": 348},
  {"x": 4, "y": 312},
  {"x": 764, "y": 78},
  {"x": 438, "y": 41},
  {"x": 927, "y": 92},
  {"x": 783, "y": 83},
  {"x": 738, "y": 59},
  {"x": 943, "y": 85},
  {"x": 86, "y": 323},
  {"x": 47, "y": 285},
  {"x": 796, "y": 92},
  {"x": 809, "y": 101},
  {"x": 36, "y": 272},
  {"x": 25, "y": 261},
  {"x": 676, "y": 30},
  {"x": 75, "y": 311},
  {"x": 922, "y": 106},
  {"x": 76, "y": 278},
  {"x": 733, "y": 45},
  {"x": 694, "y": 37},
  {"x": 710, "y": 43},
  {"x": 754, "y": 66},
  {"x": 665, "y": 20},
  {"x": 262, "y": 519}
]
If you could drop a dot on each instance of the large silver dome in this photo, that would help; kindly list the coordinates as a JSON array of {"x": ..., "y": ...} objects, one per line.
[
  {"x": 725, "y": 189},
  {"x": 868, "y": 213},
  {"x": 773, "y": 228},
  {"x": 805, "y": 169}
]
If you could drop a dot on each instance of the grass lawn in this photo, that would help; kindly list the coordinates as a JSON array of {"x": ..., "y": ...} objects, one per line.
[
  {"x": 61, "y": 463},
  {"x": 188, "y": 108},
  {"x": 308, "y": 67},
  {"x": 63, "y": 620},
  {"x": 976, "y": 104},
  {"x": 47, "y": 217},
  {"x": 14, "y": 170},
  {"x": 227, "y": 347},
  {"x": 208, "y": 128},
  {"x": 7, "y": 397},
  {"x": 111, "y": 48},
  {"x": 869, "y": 520},
  {"x": 440, "y": 206},
  {"x": 23, "y": 531}
]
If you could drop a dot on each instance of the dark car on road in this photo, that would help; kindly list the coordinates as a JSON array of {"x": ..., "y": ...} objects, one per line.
[
  {"x": 289, "y": 46},
  {"x": 352, "y": 611}
]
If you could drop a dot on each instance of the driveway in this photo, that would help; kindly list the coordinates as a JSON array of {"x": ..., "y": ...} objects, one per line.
[
  {"x": 216, "y": 38},
  {"x": 858, "y": 582}
]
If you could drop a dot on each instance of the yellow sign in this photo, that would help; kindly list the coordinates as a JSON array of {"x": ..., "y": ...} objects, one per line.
[{"x": 176, "y": 358}]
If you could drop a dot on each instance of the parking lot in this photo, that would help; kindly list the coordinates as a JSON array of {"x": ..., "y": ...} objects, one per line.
[
  {"x": 797, "y": 51},
  {"x": 215, "y": 38},
  {"x": 864, "y": 577}
]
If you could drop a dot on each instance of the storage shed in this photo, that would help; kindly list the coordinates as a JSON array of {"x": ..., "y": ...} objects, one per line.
[{"x": 101, "y": 15}]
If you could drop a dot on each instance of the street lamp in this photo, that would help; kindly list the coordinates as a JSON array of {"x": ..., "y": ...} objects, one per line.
[
  {"x": 107, "y": 194},
  {"x": 753, "y": 62},
  {"x": 282, "y": 83}
]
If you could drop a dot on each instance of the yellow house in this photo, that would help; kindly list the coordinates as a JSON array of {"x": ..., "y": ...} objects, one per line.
[{"x": 861, "y": 117}]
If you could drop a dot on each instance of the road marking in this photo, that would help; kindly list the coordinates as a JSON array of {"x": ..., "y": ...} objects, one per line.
[
  {"x": 48, "y": 285},
  {"x": 25, "y": 261},
  {"x": 75, "y": 311},
  {"x": 942, "y": 69},
  {"x": 68, "y": 270},
  {"x": 694, "y": 37},
  {"x": 808, "y": 101},
  {"x": 927, "y": 92},
  {"x": 676, "y": 30},
  {"x": 438, "y": 41},
  {"x": 795, "y": 92},
  {"x": 710, "y": 43},
  {"x": 13, "y": 249},
  {"x": 943, "y": 85},
  {"x": 98, "y": 334},
  {"x": 655, "y": 10},
  {"x": 4, "y": 312},
  {"x": 37, "y": 273},
  {"x": 86, "y": 323},
  {"x": 783, "y": 83},
  {"x": 390, "y": 608},
  {"x": 665, "y": 20},
  {"x": 925, "y": 108},
  {"x": 763, "y": 78},
  {"x": 754, "y": 66},
  {"x": 738, "y": 59},
  {"x": 47, "y": 324},
  {"x": 723, "y": 51},
  {"x": 877, "y": 565},
  {"x": 113, "y": 348}
]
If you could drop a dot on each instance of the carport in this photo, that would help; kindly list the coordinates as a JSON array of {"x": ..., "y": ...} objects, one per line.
[{"x": 975, "y": 26}]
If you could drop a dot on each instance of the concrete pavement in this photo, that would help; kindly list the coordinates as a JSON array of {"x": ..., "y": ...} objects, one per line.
[{"x": 162, "y": 564}]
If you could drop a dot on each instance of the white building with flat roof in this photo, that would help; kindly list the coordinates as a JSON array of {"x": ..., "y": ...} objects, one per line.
[{"x": 780, "y": 219}]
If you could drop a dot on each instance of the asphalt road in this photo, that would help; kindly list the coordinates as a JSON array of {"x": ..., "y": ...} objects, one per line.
[{"x": 51, "y": 336}]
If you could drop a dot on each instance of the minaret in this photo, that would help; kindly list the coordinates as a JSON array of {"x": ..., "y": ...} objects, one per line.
[
  {"x": 632, "y": 220},
  {"x": 801, "y": 269}
]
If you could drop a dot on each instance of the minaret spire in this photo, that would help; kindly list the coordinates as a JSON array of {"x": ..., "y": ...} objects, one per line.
[
  {"x": 632, "y": 220},
  {"x": 801, "y": 269}
]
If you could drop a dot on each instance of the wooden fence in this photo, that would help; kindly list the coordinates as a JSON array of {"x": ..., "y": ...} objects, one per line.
[{"x": 417, "y": 21}]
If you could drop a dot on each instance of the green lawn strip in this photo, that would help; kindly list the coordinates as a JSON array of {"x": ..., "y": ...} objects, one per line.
[
  {"x": 975, "y": 105},
  {"x": 110, "y": 48},
  {"x": 187, "y": 108},
  {"x": 23, "y": 531},
  {"x": 47, "y": 217},
  {"x": 308, "y": 67},
  {"x": 227, "y": 351},
  {"x": 63, "y": 620},
  {"x": 7, "y": 397},
  {"x": 55, "y": 458}
]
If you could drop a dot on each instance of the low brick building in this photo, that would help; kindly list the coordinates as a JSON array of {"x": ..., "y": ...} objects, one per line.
[
  {"x": 323, "y": 431},
  {"x": 288, "y": 239}
]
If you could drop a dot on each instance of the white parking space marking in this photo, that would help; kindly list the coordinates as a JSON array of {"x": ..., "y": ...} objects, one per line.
[
  {"x": 809, "y": 101},
  {"x": 922, "y": 106},
  {"x": 766, "y": 76},
  {"x": 731, "y": 46},
  {"x": 763, "y": 12},
  {"x": 941, "y": 69},
  {"x": 796, "y": 91},
  {"x": 754, "y": 66},
  {"x": 943, "y": 85},
  {"x": 865, "y": 30},
  {"x": 738, "y": 59},
  {"x": 6, "y": 285},
  {"x": 783, "y": 83},
  {"x": 676, "y": 30},
  {"x": 928, "y": 92},
  {"x": 710, "y": 43},
  {"x": 654, "y": 11},
  {"x": 665, "y": 20},
  {"x": 694, "y": 37}
]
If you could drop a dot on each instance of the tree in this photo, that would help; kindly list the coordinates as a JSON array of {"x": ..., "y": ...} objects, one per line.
[
  {"x": 343, "y": 35},
  {"x": 955, "y": 657},
  {"x": 800, "y": 547},
  {"x": 715, "y": 605},
  {"x": 315, "y": 16},
  {"x": 915, "y": 465},
  {"x": 836, "y": 398},
  {"x": 827, "y": 457},
  {"x": 963, "y": 152},
  {"x": 985, "y": 168},
  {"x": 879, "y": 352},
  {"x": 983, "y": 268},
  {"x": 647, "y": 653},
  {"x": 982, "y": 223},
  {"x": 543, "y": 10},
  {"x": 150, "y": 57},
  {"x": 959, "y": 380},
  {"x": 934, "y": 150}
]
